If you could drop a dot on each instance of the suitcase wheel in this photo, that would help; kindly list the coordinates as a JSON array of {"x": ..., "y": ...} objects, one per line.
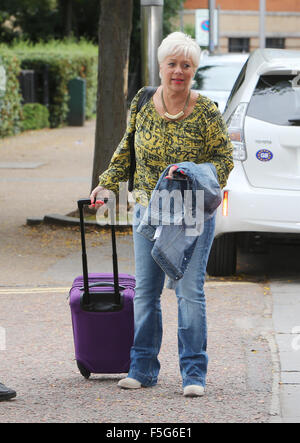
[{"x": 83, "y": 371}]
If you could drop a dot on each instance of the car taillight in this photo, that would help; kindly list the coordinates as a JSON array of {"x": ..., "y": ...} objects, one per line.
[
  {"x": 235, "y": 125},
  {"x": 225, "y": 204}
]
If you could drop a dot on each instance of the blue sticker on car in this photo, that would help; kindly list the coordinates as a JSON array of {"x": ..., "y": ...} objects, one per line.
[{"x": 264, "y": 155}]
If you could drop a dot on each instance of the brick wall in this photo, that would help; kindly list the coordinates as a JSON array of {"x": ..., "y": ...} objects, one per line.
[
  {"x": 280, "y": 5},
  {"x": 246, "y": 5},
  {"x": 224, "y": 4}
]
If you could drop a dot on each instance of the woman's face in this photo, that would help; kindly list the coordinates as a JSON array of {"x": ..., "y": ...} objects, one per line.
[{"x": 177, "y": 72}]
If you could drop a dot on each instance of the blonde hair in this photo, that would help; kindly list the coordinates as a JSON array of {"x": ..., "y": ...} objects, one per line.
[{"x": 179, "y": 43}]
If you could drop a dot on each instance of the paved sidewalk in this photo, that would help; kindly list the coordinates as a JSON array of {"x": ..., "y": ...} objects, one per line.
[
  {"x": 286, "y": 321},
  {"x": 45, "y": 172}
]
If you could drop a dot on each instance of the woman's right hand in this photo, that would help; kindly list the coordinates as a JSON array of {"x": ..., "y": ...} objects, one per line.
[{"x": 97, "y": 202}]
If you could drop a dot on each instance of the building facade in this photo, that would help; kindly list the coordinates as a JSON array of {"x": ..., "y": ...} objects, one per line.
[{"x": 238, "y": 23}]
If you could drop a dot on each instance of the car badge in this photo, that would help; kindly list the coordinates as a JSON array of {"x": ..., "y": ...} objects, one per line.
[{"x": 264, "y": 155}]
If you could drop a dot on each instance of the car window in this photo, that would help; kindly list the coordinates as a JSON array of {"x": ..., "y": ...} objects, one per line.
[
  {"x": 238, "y": 83},
  {"x": 276, "y": 99},
  {"x": 216, "y": 77}
]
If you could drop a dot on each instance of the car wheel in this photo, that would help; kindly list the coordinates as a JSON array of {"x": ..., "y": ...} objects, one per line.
[{"x": 222, "y": 258}]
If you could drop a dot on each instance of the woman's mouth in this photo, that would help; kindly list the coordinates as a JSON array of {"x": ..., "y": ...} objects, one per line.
[{"x": 177, "y": 80}]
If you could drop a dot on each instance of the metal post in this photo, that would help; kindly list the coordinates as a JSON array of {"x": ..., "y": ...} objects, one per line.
[
  {"x": 211, "y": 46},
  {"x": 151, "y": 36},
  {"x": 262, "y": 12},
  {"x": 181, "y": 12},
  {"x": 218, "y": 28}
]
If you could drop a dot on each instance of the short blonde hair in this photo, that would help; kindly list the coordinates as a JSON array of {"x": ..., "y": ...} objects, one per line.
[{"x": 179, "y": 43}]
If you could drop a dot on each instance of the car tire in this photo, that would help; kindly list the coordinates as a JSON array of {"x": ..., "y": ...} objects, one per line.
[{"x": 222, "y": 258}]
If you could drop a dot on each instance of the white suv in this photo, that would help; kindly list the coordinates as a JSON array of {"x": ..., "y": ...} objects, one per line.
[{"x": 262, "y": 196}]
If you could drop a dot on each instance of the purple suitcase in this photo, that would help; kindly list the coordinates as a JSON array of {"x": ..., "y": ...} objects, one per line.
[{"x": 102, "y": 315}]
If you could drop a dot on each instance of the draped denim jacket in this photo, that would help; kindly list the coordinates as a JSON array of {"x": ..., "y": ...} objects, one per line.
[{"x": 176, "y": 213}]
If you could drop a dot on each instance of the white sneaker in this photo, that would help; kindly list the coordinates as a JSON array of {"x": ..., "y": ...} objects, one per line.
[
  {"x": 193, "y": 391},
  {"x": 129, "y": 383}
]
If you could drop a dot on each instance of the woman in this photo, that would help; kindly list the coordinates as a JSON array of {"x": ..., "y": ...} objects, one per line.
[{"x": 176, "y": 125}]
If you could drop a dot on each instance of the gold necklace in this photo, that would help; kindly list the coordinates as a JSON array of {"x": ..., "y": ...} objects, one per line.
[{"x": 180, "y": 114}]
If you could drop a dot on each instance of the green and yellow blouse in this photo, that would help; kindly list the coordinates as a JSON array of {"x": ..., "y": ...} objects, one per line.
[{"x": 200, "y": 137}]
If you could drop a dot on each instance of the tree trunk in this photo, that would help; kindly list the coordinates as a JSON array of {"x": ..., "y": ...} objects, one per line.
[
  {"x": 68, "y": 18},
  {"x": 114, "y": 41},
  {"x": 66, "y": 7}
]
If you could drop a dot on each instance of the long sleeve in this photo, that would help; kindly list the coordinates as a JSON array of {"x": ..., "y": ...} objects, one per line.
[
  {"x": 219, "y": 146},
  {"x": 200, "y": 137},
  {"x": 118, "y": 169}
]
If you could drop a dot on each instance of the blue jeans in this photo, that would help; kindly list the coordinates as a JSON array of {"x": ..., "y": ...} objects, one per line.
[{"x": 192, "y": 329}]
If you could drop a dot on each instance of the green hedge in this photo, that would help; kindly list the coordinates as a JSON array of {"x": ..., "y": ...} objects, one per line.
[
  {"x": 64, "y": 61},
  {"x": 35, "y": 116},
  {"x": 10, "y": 102}
]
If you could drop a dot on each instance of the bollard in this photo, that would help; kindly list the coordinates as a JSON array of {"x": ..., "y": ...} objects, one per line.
[{"x": 77, "y": 88}]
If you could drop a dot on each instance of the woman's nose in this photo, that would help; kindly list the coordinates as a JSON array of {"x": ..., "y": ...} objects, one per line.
[{"x": 178, "y": 69}]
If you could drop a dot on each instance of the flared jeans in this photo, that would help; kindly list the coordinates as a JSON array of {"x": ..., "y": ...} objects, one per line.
[{"x": 192, "y": 326}]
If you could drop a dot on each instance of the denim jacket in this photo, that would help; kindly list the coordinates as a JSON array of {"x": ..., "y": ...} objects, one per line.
[{"x": 176, "y": 213}]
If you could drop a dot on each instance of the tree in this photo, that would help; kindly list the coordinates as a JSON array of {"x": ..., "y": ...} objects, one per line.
[
  {"x": 29, "y": 19},
  {"x": 36, "y": 20},
  {"x": 114, "y": 40},
  {"x": 66, "y": 7}
]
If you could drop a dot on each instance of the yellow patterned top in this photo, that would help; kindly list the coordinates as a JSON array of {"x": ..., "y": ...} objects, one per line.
[{"x": 200, "y": 137}]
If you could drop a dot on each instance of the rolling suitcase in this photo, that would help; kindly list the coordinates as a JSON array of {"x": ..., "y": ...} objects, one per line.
[{"x": 102, "y": 314}]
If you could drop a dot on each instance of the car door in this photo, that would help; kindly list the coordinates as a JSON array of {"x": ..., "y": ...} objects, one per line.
[{"x": 272, "y": 132}]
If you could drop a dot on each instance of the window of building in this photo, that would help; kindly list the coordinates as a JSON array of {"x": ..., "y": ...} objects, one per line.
[
  {"x": 238, "y": 44},
  {"x": 276, "y": 42}
]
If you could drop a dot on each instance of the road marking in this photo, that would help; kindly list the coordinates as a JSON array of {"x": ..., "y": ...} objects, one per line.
[
  {"x": 20, "y": 165},
  {"x": 44, "y": 289},
  {"x": 33, "y": 290},
  {"x": 229, "y": 283}
]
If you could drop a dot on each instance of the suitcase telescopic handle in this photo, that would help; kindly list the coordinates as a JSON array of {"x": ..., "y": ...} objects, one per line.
[{"x": 86, "y": 295}]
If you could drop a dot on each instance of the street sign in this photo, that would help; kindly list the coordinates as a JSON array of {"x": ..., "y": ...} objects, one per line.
[
  {"x": 202, "y": 27},
  {"x": 205, "y": 25}
]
